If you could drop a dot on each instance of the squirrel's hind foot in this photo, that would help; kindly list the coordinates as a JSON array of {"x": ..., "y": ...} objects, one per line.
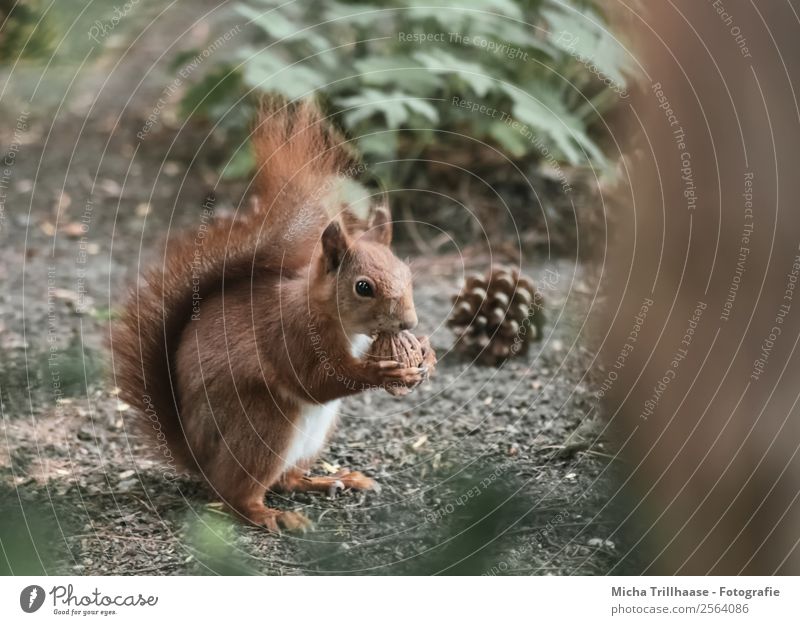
[
  {"x": 273, "y": 520},
  {"x": 331, "y": 484}
]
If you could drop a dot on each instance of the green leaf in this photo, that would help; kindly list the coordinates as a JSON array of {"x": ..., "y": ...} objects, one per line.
[
  {"x": 379, "y": 145},
  {"x": 272, "y": 21},
  {"x": 240, "y": 164},
  {"x": 394, "y": 112},
  {"x": 269, "y": 73},
  {"x": 539, "y": 109},
  {"x": 364, "y": 15},
  {"x": 421, "y": 107},
  {"x": 509, "y": 139},
  {"x": 394, "y": 107},
  {"x": 281, "y": 26},
  {"x": 214, "y": 94},
  {"x": 103, "y": 313},
  {"x": 391, "y": 70},
  {"x": 518, "y": 35},
  {"x": 445, "y": 9},
  {"x": 439, "y": 61},
  {"x": 584, "y": 37}
]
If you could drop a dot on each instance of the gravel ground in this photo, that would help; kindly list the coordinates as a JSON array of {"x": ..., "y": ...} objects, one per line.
[{"x": 482, "y": 470}]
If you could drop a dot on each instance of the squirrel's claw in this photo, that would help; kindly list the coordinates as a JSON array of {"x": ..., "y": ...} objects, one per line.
[
  {"x": 392, "y": 373},
  {"x": 384, "y": 365},
  {"x": 428, "y": 356},
  {"x": 329, "y": 484},
  {"x": 356, "y": 480},
  {"x": 335, "y": 488},
  {"x": 408, "y": 375}
]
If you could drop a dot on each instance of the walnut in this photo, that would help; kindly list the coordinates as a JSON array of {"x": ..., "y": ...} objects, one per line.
[{"x": 403, "y": 347}]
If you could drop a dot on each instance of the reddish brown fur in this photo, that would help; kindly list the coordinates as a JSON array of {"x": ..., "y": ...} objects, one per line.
[
  {"x": 226, "y": 383},
  {"x": 300, "y": 157}
]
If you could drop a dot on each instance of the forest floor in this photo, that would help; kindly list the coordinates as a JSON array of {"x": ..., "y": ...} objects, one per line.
[{"x": 483, "y": 470}]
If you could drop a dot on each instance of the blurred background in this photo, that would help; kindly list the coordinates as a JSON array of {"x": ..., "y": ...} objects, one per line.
[{"x": 601, "y": 149}]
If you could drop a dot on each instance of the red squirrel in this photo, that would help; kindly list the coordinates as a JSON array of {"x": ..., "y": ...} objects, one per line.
[{"x": 236, "y": 351}]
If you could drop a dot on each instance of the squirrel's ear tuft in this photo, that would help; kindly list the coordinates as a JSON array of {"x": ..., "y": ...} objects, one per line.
[
  {"x": 380, "y": 227},
  {"x": 334, "y": 245}
]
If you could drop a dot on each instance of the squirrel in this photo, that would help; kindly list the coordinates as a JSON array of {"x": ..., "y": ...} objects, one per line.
[{"x": 236, "y": 351}]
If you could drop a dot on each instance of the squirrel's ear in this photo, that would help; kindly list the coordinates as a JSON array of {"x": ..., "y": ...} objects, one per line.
[
  {"x": 334, "y": 245},
  {"x": 380, "y": 229}
]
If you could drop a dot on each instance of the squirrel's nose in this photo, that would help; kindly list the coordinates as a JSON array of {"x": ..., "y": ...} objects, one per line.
[{"x": 409, "y": 320}]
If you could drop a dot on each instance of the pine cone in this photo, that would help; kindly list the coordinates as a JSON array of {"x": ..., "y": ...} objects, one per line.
[{"x": 496, "y": 316}]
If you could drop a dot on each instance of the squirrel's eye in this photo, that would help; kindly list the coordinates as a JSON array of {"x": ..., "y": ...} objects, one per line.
[{"x": 364, "y": 288}]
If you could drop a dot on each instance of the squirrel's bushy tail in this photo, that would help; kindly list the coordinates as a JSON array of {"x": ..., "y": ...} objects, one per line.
[
  {"x": 302, "y": 164},
  {"x": 301, "y": 160},
  {"x": 145, "y": 339}
]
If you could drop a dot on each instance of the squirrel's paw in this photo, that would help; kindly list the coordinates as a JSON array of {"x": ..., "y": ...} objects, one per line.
[
  {"x": 428, "y": 356},
  {"x": 329, "y": 484},
  {"x": 345, "y": 479},
  {"x": 391, "y": 373},
  {"x": 273, "y": 520},
  {"x": 294, "y": 521},
  {"x": 356, "y": 480}
]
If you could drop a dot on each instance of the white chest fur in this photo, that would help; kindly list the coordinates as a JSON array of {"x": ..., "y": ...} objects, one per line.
[
  {"x": 310, "y": 430},
  {"x": 359, "y": 344},
  {"x": 316, "y": 420}
]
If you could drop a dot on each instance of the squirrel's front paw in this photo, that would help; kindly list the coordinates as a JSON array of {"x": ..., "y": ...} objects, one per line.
[
  {"x": 390, "y": 374},
  {"x": 428, "y": 356}
]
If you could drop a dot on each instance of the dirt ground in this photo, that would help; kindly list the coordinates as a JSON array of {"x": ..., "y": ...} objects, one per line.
[{"x": 483, "y": 470}]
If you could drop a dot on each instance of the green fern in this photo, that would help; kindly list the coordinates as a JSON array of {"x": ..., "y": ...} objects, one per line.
[{"x": 540, "y": 65}]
